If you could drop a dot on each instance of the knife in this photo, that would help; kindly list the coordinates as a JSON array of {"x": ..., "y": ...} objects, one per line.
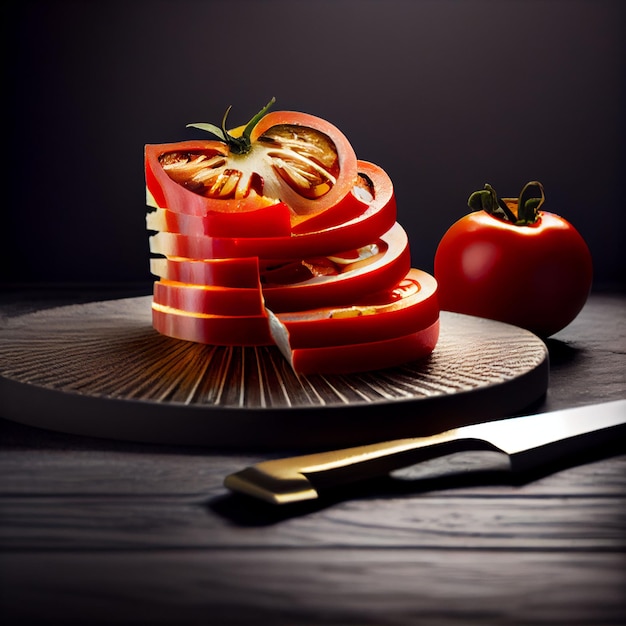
[{"x": 527, "y": 441}]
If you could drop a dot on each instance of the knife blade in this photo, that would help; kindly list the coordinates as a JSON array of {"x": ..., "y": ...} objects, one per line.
[{"x": 527, "y": 441}]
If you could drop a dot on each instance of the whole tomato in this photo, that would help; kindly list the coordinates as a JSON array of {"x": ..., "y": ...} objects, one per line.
[{"x": 510, "y": 261}]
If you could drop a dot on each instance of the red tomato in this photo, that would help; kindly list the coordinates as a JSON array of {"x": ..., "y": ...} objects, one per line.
[
  {"x": 284, "y": 156},
  {"x": 536, "y": 275}
]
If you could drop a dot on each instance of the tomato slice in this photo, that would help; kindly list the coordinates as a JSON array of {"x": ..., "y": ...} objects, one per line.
[
  {"x": 378, "y": 218},
  {"x": 408, "y": 307},
  {"x": 291, "y": 157},
  {"x": 362, "y": 357},
  {"x": 350, "y": 281},
  {"x": 209, "y": 300},
  {"x": 219, "y": 330},
  {"x": 237, "y": 273},
  {"x": 273, "y": 220}
]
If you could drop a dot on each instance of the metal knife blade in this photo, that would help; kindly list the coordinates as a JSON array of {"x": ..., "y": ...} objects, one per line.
[{"x": 527, "y": 441}]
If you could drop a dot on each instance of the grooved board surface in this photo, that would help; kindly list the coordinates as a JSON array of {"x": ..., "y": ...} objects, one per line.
[{"x": 101, "y": 369}]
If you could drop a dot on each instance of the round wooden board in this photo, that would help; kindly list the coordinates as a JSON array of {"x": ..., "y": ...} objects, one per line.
[{"x": 100, "y": 369}]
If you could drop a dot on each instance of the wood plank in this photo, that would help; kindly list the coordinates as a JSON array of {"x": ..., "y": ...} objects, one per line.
[
  {"x": 317, "y": 586},
  {"x": 200, "y": 474},
  {"x": 477, "y": 522}
]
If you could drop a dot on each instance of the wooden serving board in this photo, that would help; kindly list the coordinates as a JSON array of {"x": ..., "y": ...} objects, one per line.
[{"x": 100, "y": 369}]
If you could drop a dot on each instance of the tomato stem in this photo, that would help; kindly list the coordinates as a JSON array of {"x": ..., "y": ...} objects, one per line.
[
  {"x": 487, "y": 200},
  {"x": 237, "y": 145},
  {"x": 528, "y": 204}
]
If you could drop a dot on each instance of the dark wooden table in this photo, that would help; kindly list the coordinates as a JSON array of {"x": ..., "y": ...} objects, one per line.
[{"x": 98, "y": 531}]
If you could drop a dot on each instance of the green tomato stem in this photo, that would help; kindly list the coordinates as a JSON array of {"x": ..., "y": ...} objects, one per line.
[
  {"x": 528, "y": 204},
  {"x": 237, "y": 145},
  {"x": 487, "y": 200}
]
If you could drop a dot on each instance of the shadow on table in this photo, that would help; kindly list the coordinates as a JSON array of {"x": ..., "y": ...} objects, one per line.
[{"x": 562, "y": 354}]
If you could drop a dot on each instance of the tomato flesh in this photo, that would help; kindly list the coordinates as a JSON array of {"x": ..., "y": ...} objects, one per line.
[{"x": 537, "y": 276}]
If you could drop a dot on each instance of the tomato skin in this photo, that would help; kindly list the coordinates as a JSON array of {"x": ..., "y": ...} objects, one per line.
[{"x": 536, "y": 276}]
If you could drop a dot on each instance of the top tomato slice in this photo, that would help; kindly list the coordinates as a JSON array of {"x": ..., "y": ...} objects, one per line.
[{"x": 294, "y": 158}]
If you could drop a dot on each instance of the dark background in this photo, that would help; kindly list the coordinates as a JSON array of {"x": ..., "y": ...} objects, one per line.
[{"x": 445, "y": 95}]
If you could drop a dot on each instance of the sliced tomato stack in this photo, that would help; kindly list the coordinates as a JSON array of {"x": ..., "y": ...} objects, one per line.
[{"x": 276, "y": 234}]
